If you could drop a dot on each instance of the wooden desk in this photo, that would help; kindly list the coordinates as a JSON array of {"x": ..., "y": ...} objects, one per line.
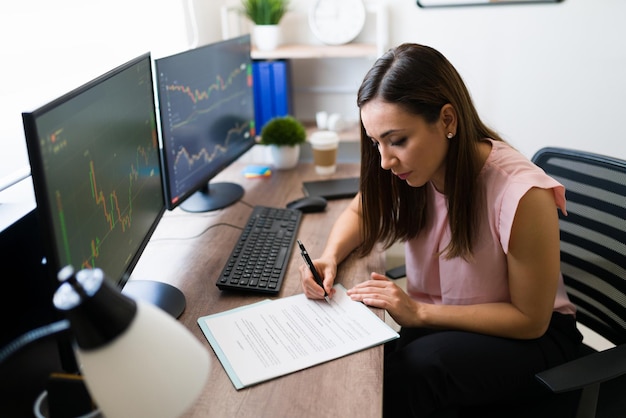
[{"x": 189, "y": 250}]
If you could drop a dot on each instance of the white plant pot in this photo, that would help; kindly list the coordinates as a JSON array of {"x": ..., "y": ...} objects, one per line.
[
  {"x": 284, "y": 157},
  {"x": 266, "y": 37}
]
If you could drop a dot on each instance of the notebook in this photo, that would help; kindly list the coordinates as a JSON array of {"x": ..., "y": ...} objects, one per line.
[{"x": 332, "y": 188}]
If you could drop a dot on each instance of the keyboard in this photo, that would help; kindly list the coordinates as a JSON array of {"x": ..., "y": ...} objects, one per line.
[{"x": 259, "y": 259}]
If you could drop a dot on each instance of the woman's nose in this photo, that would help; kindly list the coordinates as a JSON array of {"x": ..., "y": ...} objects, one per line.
[{"x": 387, "y": 159}]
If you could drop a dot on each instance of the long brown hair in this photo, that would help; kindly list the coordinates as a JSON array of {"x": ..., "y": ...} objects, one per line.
[{"x": 421, "y": 80}]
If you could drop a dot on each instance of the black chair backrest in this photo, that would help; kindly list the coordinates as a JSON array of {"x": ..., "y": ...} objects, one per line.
[{"x": 593, "y": 236}]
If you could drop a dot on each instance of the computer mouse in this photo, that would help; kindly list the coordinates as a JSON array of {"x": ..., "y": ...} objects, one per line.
[{"x": 308, "y": 204}]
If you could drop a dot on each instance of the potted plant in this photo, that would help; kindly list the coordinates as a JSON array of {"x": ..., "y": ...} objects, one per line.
[
  {"x": 265, "y": 15},
  {"x": 283, "y": 135}
]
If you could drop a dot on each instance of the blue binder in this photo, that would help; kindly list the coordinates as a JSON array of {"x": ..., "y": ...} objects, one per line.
[
  {"x": 280, "y": 83},
  {"x": 271, "y": 91},
  {"x": 263, "y": 95}
]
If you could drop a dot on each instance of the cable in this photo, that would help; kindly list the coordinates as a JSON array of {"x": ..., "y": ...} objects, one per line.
[
  {"x": 33, "y": 335},
  {"x": 39, "y": 402},
  {"x": 194, "y": 214},
  {"x": 246, "y": 203},
  {"x": 211, "y": 214},
  {"x": 198, "y": 235},
  {"x": 204, "y": 231}
]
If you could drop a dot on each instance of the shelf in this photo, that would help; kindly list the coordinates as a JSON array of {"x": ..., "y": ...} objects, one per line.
[
  {"x": 352, "y": 133},
  {"x": 293, "y": 51},
  {"x": 300, "y": 45},
  {"x": 234, "y": 24}
]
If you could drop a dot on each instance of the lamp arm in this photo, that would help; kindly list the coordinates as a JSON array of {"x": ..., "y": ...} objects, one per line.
[{"x": 32, "y": 336}]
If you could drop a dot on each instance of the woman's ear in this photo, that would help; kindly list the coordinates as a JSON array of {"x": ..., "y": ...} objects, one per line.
[{"x": 449, "y": 119}]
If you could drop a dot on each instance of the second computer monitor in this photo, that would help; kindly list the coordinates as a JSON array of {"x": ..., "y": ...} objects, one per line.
[{"x": 206, "y": 106}]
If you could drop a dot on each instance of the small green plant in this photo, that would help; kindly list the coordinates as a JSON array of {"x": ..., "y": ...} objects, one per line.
[
  {"x": 264, "y": 12},
  {"x": 283, "y": 130}
]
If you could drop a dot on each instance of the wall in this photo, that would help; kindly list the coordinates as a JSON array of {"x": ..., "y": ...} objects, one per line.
[
  {"x": 540, "y": 74},
  {"x": 50, "y": 47},
  {"x": 545, "y": 74}
]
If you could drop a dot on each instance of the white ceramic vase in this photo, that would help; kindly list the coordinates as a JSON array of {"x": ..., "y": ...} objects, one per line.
[
  {"x": 266, "y": 37},
  {"x": 284, "y": 157}
]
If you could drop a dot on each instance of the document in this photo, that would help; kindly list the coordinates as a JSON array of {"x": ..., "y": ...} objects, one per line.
[{"x": 272, "y": 338}]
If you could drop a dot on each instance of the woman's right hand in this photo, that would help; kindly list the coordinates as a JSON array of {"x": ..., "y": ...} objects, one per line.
[
  {"x": 327, "y": 269},
  {"x": 344, "y": 237}
]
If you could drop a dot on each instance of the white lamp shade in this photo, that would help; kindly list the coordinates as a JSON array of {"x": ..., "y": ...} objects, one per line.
[{"x": 156, "y": 368}]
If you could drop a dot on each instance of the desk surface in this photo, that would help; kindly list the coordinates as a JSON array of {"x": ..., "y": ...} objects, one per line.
[{"x": 189, "y": 250}]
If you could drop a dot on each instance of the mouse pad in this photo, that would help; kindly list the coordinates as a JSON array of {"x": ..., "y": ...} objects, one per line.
[{"x": 332, "y": 188}]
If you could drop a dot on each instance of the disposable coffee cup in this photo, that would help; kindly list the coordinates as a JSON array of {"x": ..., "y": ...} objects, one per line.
[{"x": 324, "y": 145}]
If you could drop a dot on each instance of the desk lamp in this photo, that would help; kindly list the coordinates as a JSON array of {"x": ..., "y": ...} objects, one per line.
[{"x": 136, "y": 360}]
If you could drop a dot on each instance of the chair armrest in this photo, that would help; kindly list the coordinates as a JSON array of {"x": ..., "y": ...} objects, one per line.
[{"x": 584, "y": 371}]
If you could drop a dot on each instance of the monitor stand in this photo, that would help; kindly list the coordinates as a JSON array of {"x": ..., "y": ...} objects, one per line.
[
  {"x": 163, "y": 295},
  {"x": 213, "y": 196}
]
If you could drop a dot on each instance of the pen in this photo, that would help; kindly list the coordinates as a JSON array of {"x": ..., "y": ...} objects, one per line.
[{"x": 309, "y": 263}]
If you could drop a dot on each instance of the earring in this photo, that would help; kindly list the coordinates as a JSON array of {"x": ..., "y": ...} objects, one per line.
[{"x": 450, "y": 135}]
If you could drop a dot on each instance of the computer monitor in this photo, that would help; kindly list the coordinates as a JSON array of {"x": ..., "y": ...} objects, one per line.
[
  {"x": 206, "y": 107},
  {"x": 96, "y": 170}
]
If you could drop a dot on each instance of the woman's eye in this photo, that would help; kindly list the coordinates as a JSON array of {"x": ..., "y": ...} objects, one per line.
[{"x": 398, "y": 142}]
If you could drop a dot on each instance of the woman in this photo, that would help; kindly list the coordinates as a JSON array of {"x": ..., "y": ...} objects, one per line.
[{"x": 485, "y": 307}]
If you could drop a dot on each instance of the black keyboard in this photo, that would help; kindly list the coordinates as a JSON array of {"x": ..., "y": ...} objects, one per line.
[{"x": 260, "y": 257}]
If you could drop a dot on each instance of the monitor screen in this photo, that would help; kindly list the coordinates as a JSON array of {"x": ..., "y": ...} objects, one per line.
[
  {"x": 96, "y": 171},
  {"x": 206, "y": 108}
]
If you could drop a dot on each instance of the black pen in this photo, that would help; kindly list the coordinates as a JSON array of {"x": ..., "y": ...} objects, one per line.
[{"x": 309, "y": 263}]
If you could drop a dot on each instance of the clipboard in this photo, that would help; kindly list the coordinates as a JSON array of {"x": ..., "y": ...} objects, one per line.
[{"x": 332, "y": 188}]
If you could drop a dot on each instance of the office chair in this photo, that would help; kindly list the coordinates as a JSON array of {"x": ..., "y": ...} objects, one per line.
[{"x": 593, "y": 264}]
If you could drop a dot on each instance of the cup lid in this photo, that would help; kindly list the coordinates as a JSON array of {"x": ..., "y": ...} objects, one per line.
[{"x": 324, "y": 139}]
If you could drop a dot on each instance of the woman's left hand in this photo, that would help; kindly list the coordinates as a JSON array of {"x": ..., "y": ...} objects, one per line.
[{"x": 381, "y": 292}]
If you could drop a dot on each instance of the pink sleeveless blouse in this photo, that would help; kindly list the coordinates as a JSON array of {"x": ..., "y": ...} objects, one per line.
[{"x": 506, "y": 176}]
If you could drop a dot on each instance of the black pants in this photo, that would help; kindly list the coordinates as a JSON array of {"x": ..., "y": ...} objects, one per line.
[{"x": 428, "y": 372}]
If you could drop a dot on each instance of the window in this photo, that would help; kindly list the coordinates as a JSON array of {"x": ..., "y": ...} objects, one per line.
[{"x": 50, "y": 47}]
